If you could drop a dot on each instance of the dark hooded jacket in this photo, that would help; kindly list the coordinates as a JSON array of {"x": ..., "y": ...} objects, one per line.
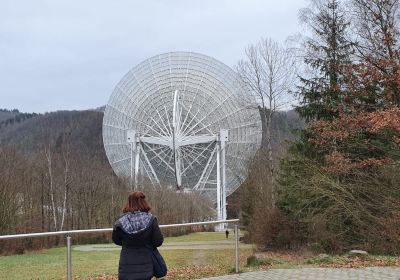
[{"x": 137, "y": 232}]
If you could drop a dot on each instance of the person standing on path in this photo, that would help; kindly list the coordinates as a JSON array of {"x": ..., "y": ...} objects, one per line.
[
  {"x": 227, "y": 233},
  {"x": 137, "y": 231}
]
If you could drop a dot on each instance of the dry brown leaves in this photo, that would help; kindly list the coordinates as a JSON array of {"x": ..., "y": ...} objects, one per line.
[
  {"x": 179, "y": 273},
  {"x": 359, "y": 262}
]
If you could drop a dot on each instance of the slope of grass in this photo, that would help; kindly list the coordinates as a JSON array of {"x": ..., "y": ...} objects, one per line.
[
  {"x": 51, "y": 263},
  {"x": 183, "y": 264}
]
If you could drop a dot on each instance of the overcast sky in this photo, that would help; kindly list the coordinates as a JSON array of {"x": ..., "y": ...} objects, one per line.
[{"x": 68, "y": 54}]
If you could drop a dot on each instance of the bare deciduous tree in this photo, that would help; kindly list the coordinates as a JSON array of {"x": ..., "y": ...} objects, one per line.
[
  {"x": 49, "y": 164},
  {"x": 376, "y": 28},
  {"x": 269, "y": 72}
]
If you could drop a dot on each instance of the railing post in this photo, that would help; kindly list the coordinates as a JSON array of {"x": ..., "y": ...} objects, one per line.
[
  {"x": 69, "y": 258},
  {"x": 236, "y": 248}
]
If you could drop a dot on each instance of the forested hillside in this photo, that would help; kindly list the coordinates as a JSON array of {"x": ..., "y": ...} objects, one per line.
[
  {"x": 7, "y": 114},
  {"x": 55, "y": 165},
  {"x": 13, "y": 117},
  {"x": 82, "y": 129}
]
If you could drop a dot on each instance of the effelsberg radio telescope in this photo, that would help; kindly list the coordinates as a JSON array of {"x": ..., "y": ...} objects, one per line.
[{"x": 182, "y": 119}]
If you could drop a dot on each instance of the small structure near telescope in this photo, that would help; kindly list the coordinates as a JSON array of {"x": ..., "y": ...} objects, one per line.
[{"x": 182, "y": 119}]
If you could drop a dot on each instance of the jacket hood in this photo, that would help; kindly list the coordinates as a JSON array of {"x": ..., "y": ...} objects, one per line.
[{"x": 134, "y": 222}]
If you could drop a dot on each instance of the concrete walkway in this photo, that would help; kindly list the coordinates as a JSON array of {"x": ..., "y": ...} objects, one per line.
[
  {"x": 184, "y": 245},
  {"x": 370, "y": 273}
]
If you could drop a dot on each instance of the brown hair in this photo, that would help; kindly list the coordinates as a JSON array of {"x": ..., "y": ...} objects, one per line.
[{"x": 136, "y": 202}]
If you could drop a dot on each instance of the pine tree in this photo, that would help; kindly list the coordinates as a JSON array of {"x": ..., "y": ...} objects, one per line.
[
  {"x": 367, "y": 134},
  {"x": 327, "y": 51},
  {"x": 341, "y": 179}
]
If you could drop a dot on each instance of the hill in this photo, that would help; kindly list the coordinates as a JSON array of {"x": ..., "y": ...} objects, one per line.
[
  {"x": 7, "y": 114},
  {"x": 81, "y": 128},
  {"x": 11, "y": 117},
  {"x": 284, "y": 128}
]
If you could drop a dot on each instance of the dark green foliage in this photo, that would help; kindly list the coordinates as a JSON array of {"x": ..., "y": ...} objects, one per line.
[
  {"x": 326, "y": 54},
  {"x": 254, "y": 261},
  {"x": 10, "y": 117}
]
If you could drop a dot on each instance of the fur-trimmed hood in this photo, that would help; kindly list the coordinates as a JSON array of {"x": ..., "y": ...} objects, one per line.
[{"x": 134, "y": 222}]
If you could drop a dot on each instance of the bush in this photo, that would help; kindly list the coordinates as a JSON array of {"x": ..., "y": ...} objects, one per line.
[
  {"x": 254, "y": 261},
  {"x": 271, "y": 229},
  {"x": 335, "y": 213}
]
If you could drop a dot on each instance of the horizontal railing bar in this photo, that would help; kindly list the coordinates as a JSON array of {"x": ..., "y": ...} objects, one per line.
[
  {"x": 70, "y": 232},
  {"x": 201, "y": 223}
]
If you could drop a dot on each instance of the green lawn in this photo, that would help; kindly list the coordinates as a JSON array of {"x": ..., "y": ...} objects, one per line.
[
  {"x": 183, "y": 263},
  {"x": 199, "y": 236}
]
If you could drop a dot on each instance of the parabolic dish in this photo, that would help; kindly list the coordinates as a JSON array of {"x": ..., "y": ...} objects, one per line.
[{"x": 211, "y": 98}]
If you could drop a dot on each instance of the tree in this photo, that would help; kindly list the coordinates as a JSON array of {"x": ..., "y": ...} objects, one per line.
[
  {"x": 376, "y": 28},
  {"x": 326, "y": 52},
  {"x": 346, "y": 192},
  {"x": 366, "y": 133},
  {"x": 269, "y": 72},
  {"x": 10, "y": 163},
  {"x": 377, "y": 41}
]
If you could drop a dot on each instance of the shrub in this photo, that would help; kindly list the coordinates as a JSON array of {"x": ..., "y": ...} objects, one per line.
[{"x": 360, "y": 210}]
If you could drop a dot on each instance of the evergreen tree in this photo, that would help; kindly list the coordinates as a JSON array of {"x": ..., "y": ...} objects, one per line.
[
  {"x": 340, "y": 181},
  {"x": 326, "y": 53},
  {"x": 366, "y": 134}
]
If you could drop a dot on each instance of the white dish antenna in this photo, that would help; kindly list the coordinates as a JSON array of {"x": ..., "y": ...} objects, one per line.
[{"x": 182, "y": 119}]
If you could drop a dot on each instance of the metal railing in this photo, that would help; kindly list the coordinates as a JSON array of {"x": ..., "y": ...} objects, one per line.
[{"x": 68, "y": 233}]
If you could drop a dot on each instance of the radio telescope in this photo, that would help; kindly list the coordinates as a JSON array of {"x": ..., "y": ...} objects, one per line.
[{"x": 182, "y": 119}]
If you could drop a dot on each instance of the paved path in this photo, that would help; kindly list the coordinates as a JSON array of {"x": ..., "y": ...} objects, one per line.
[
  {"x": 186, "y": 245},
  {"x": 370, "y": 273}
]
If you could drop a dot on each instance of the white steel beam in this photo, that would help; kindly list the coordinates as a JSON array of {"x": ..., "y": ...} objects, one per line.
[
  {"x": 150, "y": 166},
  {"x": 137, "y": 158},
  {"x": 219, "y": 193},
  {"x": 162, "y": 140},
  {"x": 223, "y": 137},
  {"x": 198, "y": 139},
  {"x": 175, "y": 147},
  {"x": 205, "y": 170}
]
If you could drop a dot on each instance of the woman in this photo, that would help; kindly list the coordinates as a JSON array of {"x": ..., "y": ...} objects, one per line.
[{"x": 137, "y": 232}]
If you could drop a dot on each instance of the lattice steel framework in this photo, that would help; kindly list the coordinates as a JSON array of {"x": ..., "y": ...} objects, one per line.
[{"x": 175, "y": 118}]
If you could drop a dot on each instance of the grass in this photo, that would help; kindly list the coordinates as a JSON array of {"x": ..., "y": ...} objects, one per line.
[
  {"x": 307, "y": 259},
  {"x": 199, "y": 236},
  {"x": 183, "y": 264},
  {"x": 353, "y": 261}
]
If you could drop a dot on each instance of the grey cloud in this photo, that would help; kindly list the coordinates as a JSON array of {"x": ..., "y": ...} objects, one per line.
[{"x": 70, "y": 54}]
